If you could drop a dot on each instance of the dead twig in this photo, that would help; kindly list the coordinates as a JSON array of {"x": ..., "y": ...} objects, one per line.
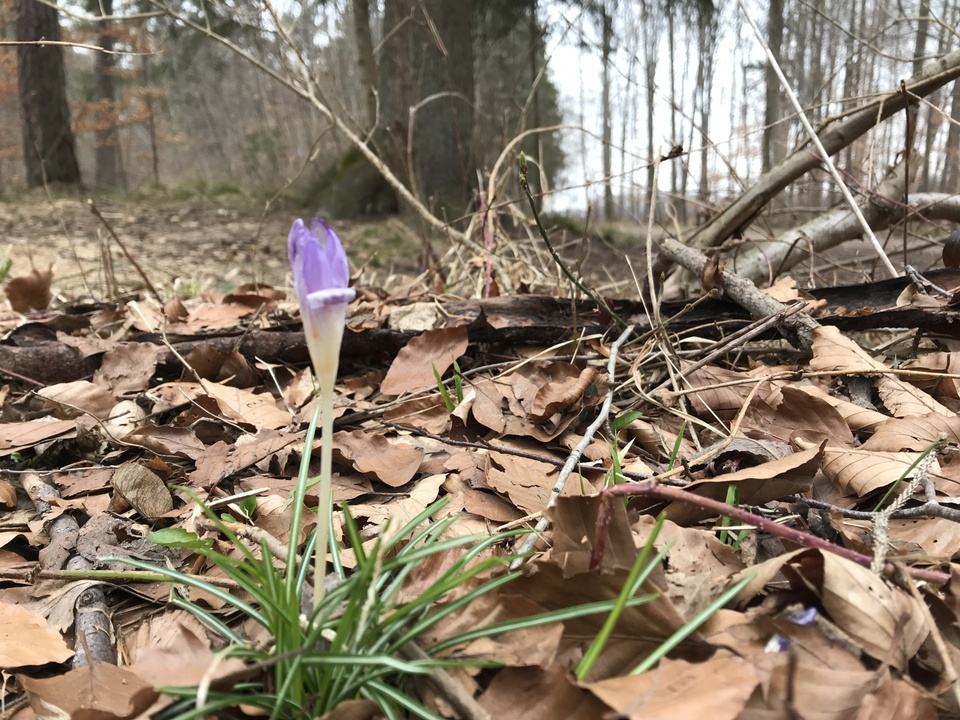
[
  {"x": 574, "y": 458},
  {"x": 116, "y": 238},
  {"x": 798, "y": 537}
]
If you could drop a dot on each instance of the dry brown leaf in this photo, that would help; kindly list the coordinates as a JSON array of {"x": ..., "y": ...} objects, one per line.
[
  {"x": 229, "y": 368},
  {"x": 883, "y": 620},
  {"x": 529, "y": 693},
  {"x": 717, "y": 689},
  {"x": 184, "y": 662},
  {"x": 699, "y": 566},
  {"x": 722, "y": 403},
  {"x": 929, "y": 540},
  {"x": 525, "y": 481},
  {"x": 17, "y": 436},
  {"x": 127, "y": 368},
  {"x": 393, "y": 462},
  {"x": 756, "y": 485},
  {"x": 413, "y": 367},
  {"x": 574, "y": 520},
  {"x": 426, "y": 413},
  {"x": 167, "y": 440},
  {"x": 28, "y": 639},
  {"x": 401, "y": 509},
  {"x": 354, "y": 710},
  {"x": 213, "y": 316},
  {"x": 914, "y": 433},
  {"x": 799, "y": 414},
  {"x": 556, "y": 396},
  {"x": 833, "y": 351},
  {"x": 101, "y": 690},
  {"x": 31, "y": 291},
  {"x": 856, "y": 417},
  {"x": 146, "y": 492},
  {"x": 222, "y": 459},
  {"x": 72, "y": 399},
  {"x": 896, "y": 700},
  {"x": 860, "y": 472},
  {"x": 947, "y": 363},
  {"x": 8, "y": 494},
  {"x": 257, "y": 409}
]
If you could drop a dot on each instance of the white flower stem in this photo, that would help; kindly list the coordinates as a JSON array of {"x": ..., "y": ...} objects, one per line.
[{"x": 325, "y": 505}]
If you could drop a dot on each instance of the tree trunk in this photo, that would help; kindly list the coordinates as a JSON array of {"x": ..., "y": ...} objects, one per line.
[
  {"x": 606, "y": 48},
  {"x": 426, "y": 63},
  {"x": 679, "y": 204},
  {"x": 365, "y": 59},
  {"x": 109, "y": 161},
  {"x": 651, "y": 37},
  {"x": 773, "y": 145},
  {"x": 48, "y": 147}
]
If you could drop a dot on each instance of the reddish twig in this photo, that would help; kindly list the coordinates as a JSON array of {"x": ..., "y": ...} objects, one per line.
[{"x": 745, "y": 517}]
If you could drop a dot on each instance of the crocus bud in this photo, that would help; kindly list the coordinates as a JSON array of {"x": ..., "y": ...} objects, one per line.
[{"x": 320, "y": 277}]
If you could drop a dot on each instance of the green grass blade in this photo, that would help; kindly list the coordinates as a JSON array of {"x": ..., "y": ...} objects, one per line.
[{"x": 683, "y": 633}]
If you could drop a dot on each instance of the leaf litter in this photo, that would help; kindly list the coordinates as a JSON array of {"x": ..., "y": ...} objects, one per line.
[{"x": 768, "y": 470}]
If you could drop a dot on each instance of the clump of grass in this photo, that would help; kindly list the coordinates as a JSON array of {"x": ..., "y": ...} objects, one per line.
[{"x": 358, "y": 641}]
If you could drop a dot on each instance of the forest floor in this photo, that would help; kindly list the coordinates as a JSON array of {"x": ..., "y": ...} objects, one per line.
[{"x": 782, "y": 476}]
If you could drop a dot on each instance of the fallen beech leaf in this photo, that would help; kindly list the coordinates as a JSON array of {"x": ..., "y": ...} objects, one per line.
[
  {"x": 412, "y": 368},
  {"x": 257, "y": 409},
  {"x": 917, "y": 432},
  {"x": 392, "y": 462},
  {"x": 101, "y": 690},
  {"x": 8, "y": 495},
  {"x": 31, "y": 291},
  {"x": 143, "y": 489},
  {"x": 834, "y": 351},
  {"x": 72, "y": 399},
  {"x": 856, "y": 417},
  {"x": 859, "y": 472},
  {"x": 27, "y": 639},
  {"x": 883, "y": 620},
  {"x": 756, "y": 485},
  {"x": 17, "y": 436},
  {"x": 718, "y": 689},
  {"x": 127, "y": 368},
  {"x": 896, "y": 699},
  {"x": 222, "y": 459},
  {"x": 519, "y": 693}
]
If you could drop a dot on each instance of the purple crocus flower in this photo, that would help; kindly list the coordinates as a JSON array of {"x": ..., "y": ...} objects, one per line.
[{"x": 320, "y": 277}]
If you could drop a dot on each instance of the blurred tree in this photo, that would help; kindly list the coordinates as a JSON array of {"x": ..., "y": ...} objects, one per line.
[
  {"x": 427, "y": 99},
  {"x": 109, "y": 160},
  {"x": 48, "y": 146}
]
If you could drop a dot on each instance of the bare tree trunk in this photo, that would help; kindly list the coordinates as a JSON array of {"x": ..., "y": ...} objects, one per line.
[
  {"x": 109, "y": 159},
  {"x": 674, "y": 137},
  {"x": 707, "y": 52},
  {"x": 606, "y": 40},
  {"x": 427, "y": 64},
  {"x": 773, "y": 147},
  {"x": 365, "y": 59},
  {"x": 151, "y": 121},
  {"x": 651, "y": 47},
  {"x": 48, "y": 147}
]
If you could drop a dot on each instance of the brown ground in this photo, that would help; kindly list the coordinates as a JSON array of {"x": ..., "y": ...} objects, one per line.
[{"x": 187, "y": 247}]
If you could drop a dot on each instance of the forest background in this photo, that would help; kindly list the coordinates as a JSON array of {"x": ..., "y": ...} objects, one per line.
[{"x": 593, "y": 92}]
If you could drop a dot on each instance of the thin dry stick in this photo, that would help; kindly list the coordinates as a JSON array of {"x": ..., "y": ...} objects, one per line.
[
  {"x": 815, "y": 139},
  {"x": 143, "y": 276},
  {"x": 577, "y": 451}
]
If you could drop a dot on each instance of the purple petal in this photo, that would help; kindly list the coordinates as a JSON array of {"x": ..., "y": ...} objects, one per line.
[{"x": 317, "y": 259}]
